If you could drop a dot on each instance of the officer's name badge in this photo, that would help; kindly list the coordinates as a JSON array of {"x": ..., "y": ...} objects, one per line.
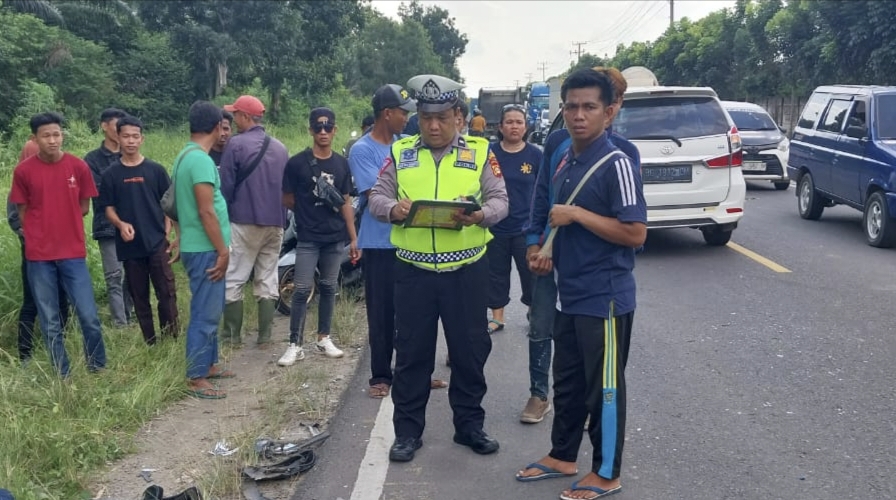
[
  {"x": 408, "y": 159},
  {"x": 466, "y": 158}
]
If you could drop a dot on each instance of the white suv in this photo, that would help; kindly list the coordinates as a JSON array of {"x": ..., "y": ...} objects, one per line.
[
  {"x": 765, "y": 145},
  {"x": 691, "y": 158}
]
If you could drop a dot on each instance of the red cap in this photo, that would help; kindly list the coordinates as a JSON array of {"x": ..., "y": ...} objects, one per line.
[{"x": 252, "y": 106}]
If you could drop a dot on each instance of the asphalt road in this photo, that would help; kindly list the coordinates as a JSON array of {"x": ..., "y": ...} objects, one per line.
[{"x": 744, "y": 382}]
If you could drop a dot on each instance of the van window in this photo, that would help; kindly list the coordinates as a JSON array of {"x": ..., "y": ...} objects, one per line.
[
  {"x": 835, "y": 116},
  {"x": 813, "y": 109},
  {"x": 885, "y": 116},
  {"x": 681, "y": 117}
]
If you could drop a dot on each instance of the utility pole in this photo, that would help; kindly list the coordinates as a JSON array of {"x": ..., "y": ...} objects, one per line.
[
  {"x": 578, "y": 52},
  {"x": 543, "y": 66},
  {"x": 671, "y": 13},
  {"x": 528, "y": 77}
]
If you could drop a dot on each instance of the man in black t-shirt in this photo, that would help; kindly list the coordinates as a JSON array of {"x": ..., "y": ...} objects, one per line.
[
  {"x": 131, "y": 191},
  {"x": 321, "y": 231},
  {"x": 217, "y": 149}
]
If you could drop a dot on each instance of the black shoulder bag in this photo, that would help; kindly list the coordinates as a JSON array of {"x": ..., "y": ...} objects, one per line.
[
  {"x": 326, "y": 192},
  {"x": 246, "y": 172}
]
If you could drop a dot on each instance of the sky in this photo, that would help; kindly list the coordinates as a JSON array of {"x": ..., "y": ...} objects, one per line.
[{"x": 510, "y": 41}]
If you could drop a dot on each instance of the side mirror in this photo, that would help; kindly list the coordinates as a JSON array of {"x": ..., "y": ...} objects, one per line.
[
  {"x": 857, "y": 132},
  {"x": 354, "y": 134},
  {"x": 782, "y": 129}
]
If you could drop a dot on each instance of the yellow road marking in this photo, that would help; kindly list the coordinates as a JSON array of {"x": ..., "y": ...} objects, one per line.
[{"x": 774, "y": 266}]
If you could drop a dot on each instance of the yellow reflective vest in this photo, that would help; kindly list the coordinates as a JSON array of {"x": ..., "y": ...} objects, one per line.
[{"x": 419, "y": 178}]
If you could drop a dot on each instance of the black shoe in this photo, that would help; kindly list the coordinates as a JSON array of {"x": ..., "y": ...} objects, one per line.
[
  {"x": 403, "y": 449},
  {"x": 478, "y": 441}
]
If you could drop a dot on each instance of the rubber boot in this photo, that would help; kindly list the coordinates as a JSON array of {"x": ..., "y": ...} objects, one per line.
[
  {"x": 233, "y": 324},
  {"x": 266, "y": 309}
]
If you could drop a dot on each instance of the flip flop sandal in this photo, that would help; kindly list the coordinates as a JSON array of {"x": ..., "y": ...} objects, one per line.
[
  {"x": 156, "y": 492},
  {"x": 207, "y": 393},
  {"x": 547, "y": 473},
  {"x": 600, "y": 492},
  {"x": 497, "y": 328},
  {"x": 437, "y": 384},
  {"x": 378, "y": 391}
]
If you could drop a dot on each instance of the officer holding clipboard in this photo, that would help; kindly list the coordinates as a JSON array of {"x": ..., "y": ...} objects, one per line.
[{"x": 441, "y": 271}]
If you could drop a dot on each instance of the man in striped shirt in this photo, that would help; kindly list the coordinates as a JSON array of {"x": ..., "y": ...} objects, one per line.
[{"x": 592, "y": 259}]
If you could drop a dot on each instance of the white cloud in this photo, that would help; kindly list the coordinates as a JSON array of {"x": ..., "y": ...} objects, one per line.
[{"x": 509, "y": 40}]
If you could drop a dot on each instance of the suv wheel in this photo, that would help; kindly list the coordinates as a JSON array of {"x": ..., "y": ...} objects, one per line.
[
  {"x": 716, "y": 237},
  {"x": 809, "y": 202},
  {"x": 880, "y": 229},
  {"x": 783, "y": 185}
]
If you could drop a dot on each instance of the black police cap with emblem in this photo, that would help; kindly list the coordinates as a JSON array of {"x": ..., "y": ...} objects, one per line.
[{"x": 434, "y": 93}]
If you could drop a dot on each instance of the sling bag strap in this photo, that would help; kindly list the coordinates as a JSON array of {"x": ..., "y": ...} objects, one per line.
[
  {"x": 547, "y": 248},
  {"x": 246, "y": 172}
]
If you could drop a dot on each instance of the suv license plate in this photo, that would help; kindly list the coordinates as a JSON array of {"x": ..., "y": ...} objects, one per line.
[
  {"x": 662, "y": 175},
  {"x": 754, "y": 166}
]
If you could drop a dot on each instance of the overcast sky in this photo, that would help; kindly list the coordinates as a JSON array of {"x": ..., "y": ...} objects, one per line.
[{"x": 509, "y": 40}]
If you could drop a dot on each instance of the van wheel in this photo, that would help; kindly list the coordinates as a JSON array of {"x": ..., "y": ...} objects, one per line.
[
  {"x": 809, "y": 202},
  {"x": 286, "y": 285},
  {"x": 782, "y": 186},
  {"x": 716, "y": 237},
  {"x": 880, "y": 229}
]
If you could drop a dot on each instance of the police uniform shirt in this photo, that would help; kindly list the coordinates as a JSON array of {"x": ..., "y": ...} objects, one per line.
[{"x": 384, "y": 194}]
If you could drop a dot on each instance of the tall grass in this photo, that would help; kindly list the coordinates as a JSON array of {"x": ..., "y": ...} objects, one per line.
[{"x": 55, "y": 434}]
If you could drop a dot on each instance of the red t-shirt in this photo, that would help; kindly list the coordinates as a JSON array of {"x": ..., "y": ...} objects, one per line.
[{"x": 52, "y": 192}]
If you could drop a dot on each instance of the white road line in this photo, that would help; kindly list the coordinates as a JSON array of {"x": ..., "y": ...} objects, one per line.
[{"x": 373, "y": 469}]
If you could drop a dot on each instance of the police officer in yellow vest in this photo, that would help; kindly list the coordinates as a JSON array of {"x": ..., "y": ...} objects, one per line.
[{"x": 440, "y": 272}]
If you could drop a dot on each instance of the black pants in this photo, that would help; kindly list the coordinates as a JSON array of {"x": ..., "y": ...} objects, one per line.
[
  {"x": 501, "y": 250},
  {"x": 589, "y": 377},
  {"x": 379, "y": 291},
  {"x": 28, "y": 311},
  {"x": 421, "y": 298},
  {"x": 156, "y": 270}
]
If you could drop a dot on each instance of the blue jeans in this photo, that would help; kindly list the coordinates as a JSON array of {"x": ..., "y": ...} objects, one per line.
[
  {"x": 327, "y": 259},
  {"x": 44, "y": 277},
  {"x": 206, "y": 308},
  {"x": 541, "y": 331}
]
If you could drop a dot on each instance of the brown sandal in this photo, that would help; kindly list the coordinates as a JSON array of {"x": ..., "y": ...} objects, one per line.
[
  {"x": 378, "y": 391},
  {"x": 438, "y": 384}
]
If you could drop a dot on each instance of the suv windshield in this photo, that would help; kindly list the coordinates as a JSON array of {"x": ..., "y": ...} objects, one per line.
[
  {"x": 751, "y": 120},
  {"x": 885, "y": 116},
  {"x": 680, "y": 117}
]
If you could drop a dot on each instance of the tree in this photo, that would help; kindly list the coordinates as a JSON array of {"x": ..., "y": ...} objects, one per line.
[
  {"x": 388, "y": 51},
  {"x": 586, "y": 60},
  {"x": 447, "y": 41}
]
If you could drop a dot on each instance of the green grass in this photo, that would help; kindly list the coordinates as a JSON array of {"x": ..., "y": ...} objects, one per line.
[{"x": 56, "y": 435}]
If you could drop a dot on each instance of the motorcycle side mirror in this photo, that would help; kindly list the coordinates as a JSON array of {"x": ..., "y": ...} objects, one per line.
[{"x": 354, "y": 134}]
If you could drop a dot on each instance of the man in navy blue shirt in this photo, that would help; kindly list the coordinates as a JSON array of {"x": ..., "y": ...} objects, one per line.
[
  {"x": 544, "y": 291},
  {"x": 592, "y": 258}
]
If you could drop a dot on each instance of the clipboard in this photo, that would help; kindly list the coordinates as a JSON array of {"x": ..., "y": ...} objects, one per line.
[{"x": 438, "y": 213}]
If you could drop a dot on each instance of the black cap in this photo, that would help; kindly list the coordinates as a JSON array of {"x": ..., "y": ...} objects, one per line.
[
  {"x": 316, "y": 113},
  {"x": 392, "y": 96}
]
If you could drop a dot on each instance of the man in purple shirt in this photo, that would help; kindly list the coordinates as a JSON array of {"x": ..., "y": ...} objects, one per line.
[{"x": 251, "y": 175}]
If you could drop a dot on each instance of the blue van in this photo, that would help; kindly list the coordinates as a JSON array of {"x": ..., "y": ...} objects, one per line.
[{"x": 843, "y": 151}]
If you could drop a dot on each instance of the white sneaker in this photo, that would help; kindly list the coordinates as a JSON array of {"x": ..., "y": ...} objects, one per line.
[
  {"x": 327, "y": 348},
  {"x": 293, "y": 353}
]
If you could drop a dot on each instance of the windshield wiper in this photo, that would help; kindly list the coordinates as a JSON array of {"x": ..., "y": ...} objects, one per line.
[{"x": 655, "y": 138}]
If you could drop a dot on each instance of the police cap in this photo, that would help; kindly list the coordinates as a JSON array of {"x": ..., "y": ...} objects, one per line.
[{"x": 434, "y": 93}]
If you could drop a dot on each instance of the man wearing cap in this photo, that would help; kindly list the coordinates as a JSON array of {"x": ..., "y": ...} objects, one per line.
[
  {"x": 440, "y": 273},
  {"x": 317, "y": 186},
  {"x": 251, "y": 175}
]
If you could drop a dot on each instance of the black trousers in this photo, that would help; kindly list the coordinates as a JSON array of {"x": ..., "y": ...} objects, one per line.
[
  {"x": 590, "y": 354},
  {"x": 140, "y": 273},
  {"x": 421, "y": 298},
  {"x": 501, "y": 250},
  {"x": 379, "y": 293},
  {"x": 28, "y": 311}
]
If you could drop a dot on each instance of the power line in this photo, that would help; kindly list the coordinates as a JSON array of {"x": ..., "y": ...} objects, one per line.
[
  {"x": 543, "y": 65},
  {"x": 578, "y": 50}
]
